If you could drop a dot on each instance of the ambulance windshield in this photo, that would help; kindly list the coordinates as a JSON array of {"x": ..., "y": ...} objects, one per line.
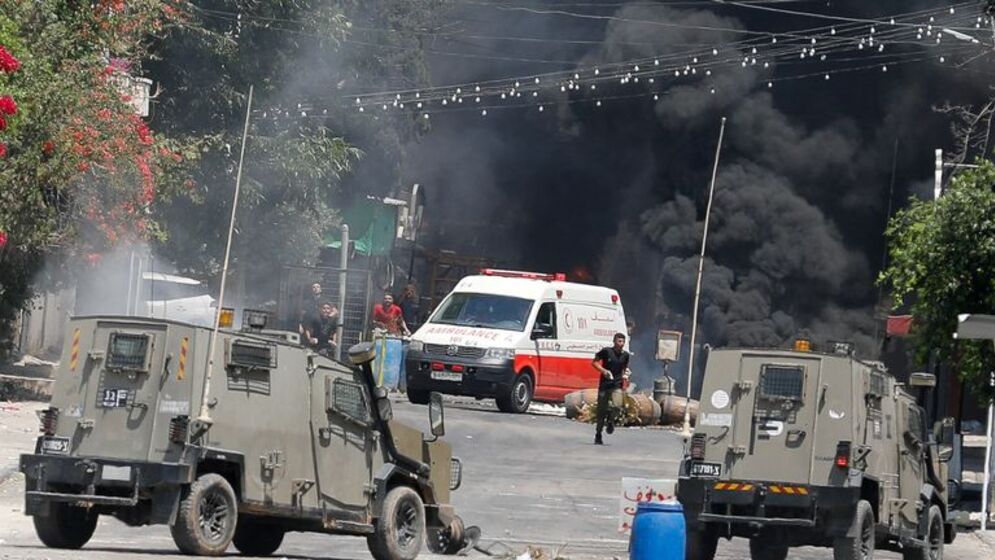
[{"x": 483, "y": 311}]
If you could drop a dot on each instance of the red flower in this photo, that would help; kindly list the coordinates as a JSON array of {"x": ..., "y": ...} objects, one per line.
[
  {"x": 3, "y": 150},
  {"x": 7, "y": 105},
  {"x": 3, "y": 235},
  {"x": 48, "y": 147},
  {"x": 7, "y": 61},
  {"x": 3, "y": 123}
]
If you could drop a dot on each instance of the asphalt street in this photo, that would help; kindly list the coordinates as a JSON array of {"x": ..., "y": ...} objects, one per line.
[{"x": 532, "y": 479}]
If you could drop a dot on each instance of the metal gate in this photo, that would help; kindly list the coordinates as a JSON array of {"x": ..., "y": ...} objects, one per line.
[{"x": 295, "y": 296}]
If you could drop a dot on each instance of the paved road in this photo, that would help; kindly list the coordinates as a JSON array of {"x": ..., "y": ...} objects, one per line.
[{"x": 530, "y": 479}]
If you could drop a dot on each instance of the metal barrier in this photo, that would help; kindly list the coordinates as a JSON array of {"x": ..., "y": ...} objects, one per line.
[{"x": 295, "y": 297}]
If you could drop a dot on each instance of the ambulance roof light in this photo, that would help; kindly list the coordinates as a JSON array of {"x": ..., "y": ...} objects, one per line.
[
  {"x": 803, "y": 345},
  {"x": 559, "y": 276}
]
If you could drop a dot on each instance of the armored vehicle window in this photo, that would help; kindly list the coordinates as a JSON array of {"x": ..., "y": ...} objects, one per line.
[
  {"x": 878, "y": 386},
  {"x": 347, "y": 398},
  {"x": 784, "y": 382},
  {"x": 251, "y": 355},
  {"x": 128, "y": 351},
  {"x": 915, "y": 422}
]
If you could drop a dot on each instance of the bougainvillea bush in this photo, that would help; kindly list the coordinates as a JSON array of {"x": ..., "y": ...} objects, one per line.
[{"x": 80, "y": 171}]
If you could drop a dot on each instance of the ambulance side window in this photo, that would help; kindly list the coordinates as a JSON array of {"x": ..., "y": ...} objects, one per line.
[{"x": 547, "y": 319}]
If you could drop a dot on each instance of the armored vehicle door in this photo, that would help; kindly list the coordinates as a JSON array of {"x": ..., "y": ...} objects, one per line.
[
  {"x": 775, "y": 404},
  {"x": 345, "y": 442},
  {"x": 121, "y": 371},
  {"x": 911, "y": 451}
]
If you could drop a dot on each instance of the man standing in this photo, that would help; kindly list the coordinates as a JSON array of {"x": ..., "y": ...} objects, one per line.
[
  {"x": 389, "y": 317},
  {"x": 409, "y": 306},
  {"x": 613, "y": 364},
  {"x": 321, "y": 333},
  {"x": 310, "y": 308}
]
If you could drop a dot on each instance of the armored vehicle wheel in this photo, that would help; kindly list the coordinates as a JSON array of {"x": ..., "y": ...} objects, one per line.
[
  {"x": 253, "y": 538},
  {"x": 448, "y": 540},
  {"x": 400, "y": 530},
  {"x": 759, "y": 550},
  {"x": 934, "y": 538},
  {"x": 701, "y": 545},
  {"x": 65, "y": 526},
  {"x": 206, "y": 518},
  {"x": 416, "y": 396},
  {"x": 519, "y": 397},
  {"x": 861, "y": 547}
]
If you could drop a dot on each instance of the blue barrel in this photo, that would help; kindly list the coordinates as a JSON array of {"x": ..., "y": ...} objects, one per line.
[{"x": 658, "y": 532}]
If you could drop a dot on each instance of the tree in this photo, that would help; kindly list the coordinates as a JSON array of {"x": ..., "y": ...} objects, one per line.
[
  {"x": 80, "y": 170},
  {"x": 942, "y": 263}
]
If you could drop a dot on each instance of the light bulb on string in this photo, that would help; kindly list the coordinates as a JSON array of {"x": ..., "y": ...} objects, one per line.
[
  {"x": 426, "y": 116},
  {"x": 708, "y": 72},
  {"x": 635, "y": 68},
  {"x": 832, "y": 31},
  {"x": 417, "y": 95},
  {"x": 942, "y": 60},
  {"x": 650, "y": 80},
  {"x": 813, "y": 40},
  {"x": 357, "y": 101},
  {"x": 563, "y": 88},
  {"x": 712, "y": 91},
  {"x": 822, "y": 58},
  {"x": 881, "y": 46},
  {"x": 445, "y": 102},
  {"x": 535, "y": 94},
  {"x": 537, "y": 80},
  {"x": 598, "y": 103},
  {"x": 401, "y": 105},
  {"x": 695, "y": 60},
  {"x": 460, "y": 100},
  {"x": 884, "y": 68},
  {"x": 754, "y": 51},
  {"x": 656, "y": 62},
  {"x": 872, "y": 30},
  {"x": 418, "y": 106},
  {"x": 656, "y": 97},
  {"x": 677, "y": 73},
  {"x": 483, "y": 113},
  {"x": 576, "y": 76},
  {"x": 477, "y": 89},
  {"x": 951, "y": 10},
  {"x": 516, "y": 83},
  {"x": 540, "y": 109},
  {"x": 715, "y": 52},
  {"x": 594, "y": 86},
  {"x": 503, "y": 96},
  {"x": 892, "y": 21},
  {"x": 827, "y": 76},
  {"x": 476, "y": 100},
  {"x": 597, "y": 71},
  {"x": 770, "y": 84}
]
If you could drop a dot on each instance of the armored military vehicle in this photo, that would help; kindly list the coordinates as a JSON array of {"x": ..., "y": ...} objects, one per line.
[
  {"x": 798, "y": 448},
  {"x": 292, "y": 441}
]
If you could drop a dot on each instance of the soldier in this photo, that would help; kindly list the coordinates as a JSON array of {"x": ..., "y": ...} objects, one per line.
[{"x": 613, "y": 363}]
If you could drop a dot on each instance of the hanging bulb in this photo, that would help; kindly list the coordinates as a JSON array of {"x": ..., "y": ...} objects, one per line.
[
  {"x": 426, "y": 116},
  {"x": 402, "y": 105},
  {"x": 398, "y": 97},
  {"x": 385, "y": 105},
  {"x": 476, "y": 100},
  {"x": 419, "y": 105},
  {"x": 540, "y": 108},
  {"x": 651, "y": 80},
  {"x": 823, "y": 57},
  {"x": 712, "y": 91},
  {"x": 636, "y": 79},
  {"x": 460, "y": 100},
  {"x": 598, "y": 104},
  {"x": 594, "y": 86},
  {"x": 753, "y": 61},
  {"x": 770, "y": 84},
  {"x": 813, "y": 40},
  {"x": 535, "y": 94},
  {"x": 892, "y": 21},
  {"x": 459, "y": 90},
  {"x": 884, "y": 68},
  {"x": 483, "y": 113},
  {"x": 860, "y": 47},
  {"x": 754, "y": 51},
  {"x": 576, "y": 76},
  {"x": 445, "y": 102},
  {"x": 942, "y": 60},
  {"x": 635, "y": 68},
  {"x": 418, "y": 95},
  {"x": 537, "y": 80},
  {"x": 872, "y": 30},
  {"x": 827, "y": 76},
  {"x": 476, "y": 89},
  {"x": 519, "y": 94},
  {"x": 656, "y": 62},
  {"x": 766, "y": 65},
  {"x": 715, "y": 52},
  {"x": 919, "y": 36},
  {"x": 357, "y": 103},
  {"x": 773, "y": 40},
  {"x": 677, "y": 73},
  {"x": 597, "y": 72},
  {"x": 708, "y": 72},
  {"x": 832, "y": 31},
  {"x": 695, "y": 60},
  {"x": 516, "y": 83},
  {"x": 656, "y": 97},
  {"x": 324, "y": 111},
  {"x": 563, "y": 88},
  {"x": 503, "y": 96},
  {"x": 951, "y": 10},
  {"x": 881, "y": 47}
]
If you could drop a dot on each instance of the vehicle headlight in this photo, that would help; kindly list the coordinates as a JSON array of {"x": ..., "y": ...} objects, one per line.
[
  {"x": 500, "y": 353},
  {"x": 416, "y": 346}
]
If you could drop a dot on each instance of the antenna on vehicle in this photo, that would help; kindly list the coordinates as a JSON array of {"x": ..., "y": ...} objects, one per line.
[{"x": 204, "y": 421}]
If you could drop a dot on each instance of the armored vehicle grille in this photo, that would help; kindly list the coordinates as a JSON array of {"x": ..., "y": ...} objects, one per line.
[
  {"x": 455, "y": 473},
  {"x": 455, "y": 351},
  {"x": 786, "y": 382},
  {"x": 128, "y": 351}
]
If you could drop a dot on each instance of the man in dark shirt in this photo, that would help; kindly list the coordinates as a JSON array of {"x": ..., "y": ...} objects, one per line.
[
  {"x": 613, "y": 364},
  {"x": 321, "y": 333}
]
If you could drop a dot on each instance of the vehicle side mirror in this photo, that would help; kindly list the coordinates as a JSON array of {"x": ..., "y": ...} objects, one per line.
[
  {"x": 436, "y": 415},
  {"x": 542, "y": 330},
  {"x": 921, "y": 379},
  {"x": 943, "y": 433},
  {"x": 383, "y": 404}
]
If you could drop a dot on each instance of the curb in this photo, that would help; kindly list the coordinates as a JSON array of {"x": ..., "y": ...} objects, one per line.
[{"x": 18, "y": 388}]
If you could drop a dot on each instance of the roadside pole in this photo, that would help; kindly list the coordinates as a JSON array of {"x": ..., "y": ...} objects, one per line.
[
  {"x": 343, "y": 278},
  {"x": 697, "y": 289},
  {"x": 205, "y": 416},
  {"x": 986, "y": 485}
]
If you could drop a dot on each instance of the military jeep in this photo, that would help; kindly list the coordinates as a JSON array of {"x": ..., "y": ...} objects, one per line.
[
  {"x": 292, "y": 441},
  {"x": 798, "y": 448}
]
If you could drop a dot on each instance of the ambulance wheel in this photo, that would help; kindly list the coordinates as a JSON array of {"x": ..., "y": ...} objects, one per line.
[
  {"x": 400, "y": 530},
  {"x": 862, "y": 546},
  {"x": 65, "y": 526},
  {"x": 934, "y": 539},
  {"x": 206, "y": 518},
  {"x": 448, "y": 540},
  {"x": 418, "y": 396},
  {"x": 759, "y": 550},
  {"x": 253, "y": 538},
  {"x": 519, "y": 396},
  {"x": 701, "y": 545}
]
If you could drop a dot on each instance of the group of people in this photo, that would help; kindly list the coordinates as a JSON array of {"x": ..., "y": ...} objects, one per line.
[{"x": 319, "y": 318}]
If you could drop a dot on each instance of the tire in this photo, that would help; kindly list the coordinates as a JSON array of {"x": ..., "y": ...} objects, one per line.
[
  {"x": 760, "y": 550},
  {"x": 519, "y": 395},
  {"x": 934, "y": 536},
  {"x": 399, "y": 532},
  {"x": 417, "y": 396},
  {"x": 209, "y": 500},
  {"x": 701, "y": 545},
  {"x": 448, "y": 540},
  {"x": 253, "y": 538},
  {"x": 65, "y": 526},
  {"x": 861, "y": 547}
]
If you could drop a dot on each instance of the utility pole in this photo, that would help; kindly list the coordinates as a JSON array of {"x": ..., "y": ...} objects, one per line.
[
  {"x": 697, "y": 289},
  {"x": 938, "y": 175},
  {"x": 343, "y": 280},
  {"x": 204, "y": 419}
]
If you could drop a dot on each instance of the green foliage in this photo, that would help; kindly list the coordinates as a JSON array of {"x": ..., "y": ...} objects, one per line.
[{"x": 942, "y": 263}]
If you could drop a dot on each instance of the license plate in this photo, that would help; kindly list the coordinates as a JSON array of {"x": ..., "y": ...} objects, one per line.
[
  {"x": 447, "y": 376},
  {"x": 55, "y": 445},
  {"x": 706, "y": 470},
  {"x": 115, "y": 473}
]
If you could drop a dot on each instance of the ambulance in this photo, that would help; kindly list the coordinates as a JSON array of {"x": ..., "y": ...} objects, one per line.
[{"x": 514, "y": 337}]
